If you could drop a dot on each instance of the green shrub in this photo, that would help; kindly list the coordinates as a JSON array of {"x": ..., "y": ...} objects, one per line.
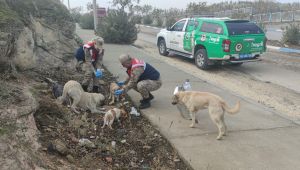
[
  {"x": 117, "y": 27},
  {"x": 147, "y": 20},
  {"x": 137, "y": 19},
  {"x": 158, "y": 22},
  {"x": 86, "y": 21},
  {"x": 291, "y": 34},
  {"x": 170, "y": 21}
]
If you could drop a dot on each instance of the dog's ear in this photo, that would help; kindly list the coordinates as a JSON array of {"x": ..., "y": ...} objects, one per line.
[{"x": 124, "y": 113}]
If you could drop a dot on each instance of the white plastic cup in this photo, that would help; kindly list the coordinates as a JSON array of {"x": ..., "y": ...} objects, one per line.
[{"x": 113, "y": 144}]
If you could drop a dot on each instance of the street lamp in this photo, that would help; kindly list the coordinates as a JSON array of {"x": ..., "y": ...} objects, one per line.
[{"x": 95, "y": 15}]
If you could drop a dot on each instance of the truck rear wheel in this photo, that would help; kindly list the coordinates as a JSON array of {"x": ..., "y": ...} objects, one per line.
[
  {"x": 162, "y": 47},
  {"x": 201, "y": 59}
]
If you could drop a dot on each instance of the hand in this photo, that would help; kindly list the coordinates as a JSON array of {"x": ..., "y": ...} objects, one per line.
[
  {"x": 98, "y": 73},
  {"x": 120, "y": 83},
  {"x": 119, "y": 92}
]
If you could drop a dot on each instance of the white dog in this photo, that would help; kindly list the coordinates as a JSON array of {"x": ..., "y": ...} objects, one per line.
[
  {"x": 113, "y": 114},
  {"x": 194, "y": 101},
  {"x": 84, "y": 100}
]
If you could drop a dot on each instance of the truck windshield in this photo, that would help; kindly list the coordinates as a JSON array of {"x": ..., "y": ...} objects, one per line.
[{"x": 242, "y": 27}]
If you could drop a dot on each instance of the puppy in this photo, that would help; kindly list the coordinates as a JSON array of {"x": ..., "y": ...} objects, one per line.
[
  {"x": 112, "y": 88},
  {"x": 113, "y": 114},
  {"x": 84, "y": 100},
  {"x": 195, "y": 101}
]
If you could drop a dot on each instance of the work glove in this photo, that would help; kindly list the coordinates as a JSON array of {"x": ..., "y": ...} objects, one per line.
[
  {"x": 120, "y": 83},
  {"x": 119, "y": 92},
  {"x": 98, "y": 73}
]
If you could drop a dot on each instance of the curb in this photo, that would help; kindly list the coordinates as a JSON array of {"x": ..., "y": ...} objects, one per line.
[{"x": 282, "y": 49}]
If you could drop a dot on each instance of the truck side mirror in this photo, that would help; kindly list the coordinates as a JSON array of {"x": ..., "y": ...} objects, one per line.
[{"x": 169, "y": 29}]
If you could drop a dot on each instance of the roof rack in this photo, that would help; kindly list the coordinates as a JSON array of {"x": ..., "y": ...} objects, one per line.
[{"x": 202, "y": 16}]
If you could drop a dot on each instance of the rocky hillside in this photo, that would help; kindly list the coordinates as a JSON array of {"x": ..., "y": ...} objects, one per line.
[
  {"x": 36, "y": 37},
  {"x": 34, "y": 34}
]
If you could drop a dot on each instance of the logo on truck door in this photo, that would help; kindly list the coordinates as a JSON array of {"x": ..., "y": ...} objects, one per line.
[{"x": 203, "y": 37}]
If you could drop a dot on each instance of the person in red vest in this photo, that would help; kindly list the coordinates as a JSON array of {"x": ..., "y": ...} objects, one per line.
[
  {"x": 92, "y": 65},
  {"x": 142, "y": 77}
]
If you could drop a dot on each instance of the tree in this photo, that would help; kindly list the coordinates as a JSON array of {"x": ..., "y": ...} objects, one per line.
[
  {"x": 157, "y": 15},
  {"x": 196, "y": 8},
  {"x": 119, "y": 26},
  {"x": 86, "y": 21},
  {"x": 75, "y": 13}
]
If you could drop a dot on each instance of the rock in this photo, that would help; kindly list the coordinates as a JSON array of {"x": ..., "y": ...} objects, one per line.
[
  {"x": 86, "y": 143},
  {"x": 76, "y": 123},
  {"x": 82, "y": 131},
  {"x": 109, "y": 159},
  {"x": 176, "y": 160},
  {"x": 60, "y": 147},
  {"x": 70, "y": 158},
  {"x": 123, "y": 141},
  {"x": 147, "y": 147},
  {"x": 132, "y": 152}
]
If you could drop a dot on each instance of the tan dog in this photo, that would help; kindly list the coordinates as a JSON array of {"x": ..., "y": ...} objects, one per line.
[
  {"x": 195, "y": 101},
  {"x": 87, "y": 101},
  {"x": 112, "y": 88},
  {"x": 112, "y": 115}
]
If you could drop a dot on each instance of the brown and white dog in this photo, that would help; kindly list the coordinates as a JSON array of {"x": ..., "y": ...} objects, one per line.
[
  {"x": 112, "y": 88},
  {"x": 112, "y": 115},
  {"x": 195, "y": 101},
  {"x": 84, "y": 100}
]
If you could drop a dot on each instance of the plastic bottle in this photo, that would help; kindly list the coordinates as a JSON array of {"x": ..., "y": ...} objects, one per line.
[
  {"x": 187, "y": 85},
  {"x": 134, "y": 112}
]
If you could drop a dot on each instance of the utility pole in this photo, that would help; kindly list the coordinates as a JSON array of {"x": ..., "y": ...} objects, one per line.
[
  {"x": 69, "y": 4},
  {"x": 95, "y": 15}
]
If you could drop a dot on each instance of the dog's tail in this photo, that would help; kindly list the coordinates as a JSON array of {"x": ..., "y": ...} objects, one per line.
[
  {"x": 233, "y": 110},
  {"x": 50, "y": 81}
]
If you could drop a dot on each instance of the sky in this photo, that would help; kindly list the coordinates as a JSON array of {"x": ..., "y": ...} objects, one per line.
[{"x": 162, "y": 4}]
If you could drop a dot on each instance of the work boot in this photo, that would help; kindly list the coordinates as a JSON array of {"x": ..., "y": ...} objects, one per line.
[
  {"x": 95, "y": 89},
  {"x": 145, "y": 104},
  {"x": 85, "y": 88},
  {"x": 148, "y": 99}
]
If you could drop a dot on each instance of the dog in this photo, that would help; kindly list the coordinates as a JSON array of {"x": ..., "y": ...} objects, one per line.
[
  {"x": 112, "y": 115},
  {"x": 57, "y": 89},
  {"x": 112, "y": 88},
  {"x": 195, "y": 101},
  {"x": 84, "y": 100}
]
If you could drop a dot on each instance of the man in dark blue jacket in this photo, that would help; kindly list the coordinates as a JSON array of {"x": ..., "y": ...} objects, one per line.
[
  {"x": 142, "y": 77},
  {"x": 79, "y": 55}
]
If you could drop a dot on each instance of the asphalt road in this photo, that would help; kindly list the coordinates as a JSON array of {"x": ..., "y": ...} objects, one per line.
[
  {"x": 258, "y": 137},
  {"x": 269, "y": 70}
]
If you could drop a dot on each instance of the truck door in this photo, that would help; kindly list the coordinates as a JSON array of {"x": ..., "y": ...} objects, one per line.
[
  {"x": 188, "y": 41},
  {"x": 177, "y": 35}
]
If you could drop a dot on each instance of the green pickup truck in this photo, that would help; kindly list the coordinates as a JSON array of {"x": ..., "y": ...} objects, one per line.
[{"x": 212, "y": 41}]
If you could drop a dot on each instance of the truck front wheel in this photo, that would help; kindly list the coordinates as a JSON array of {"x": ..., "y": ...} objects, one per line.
[
  {"x": 201, "y": 59},
  {"x": 162, "y": 47}
]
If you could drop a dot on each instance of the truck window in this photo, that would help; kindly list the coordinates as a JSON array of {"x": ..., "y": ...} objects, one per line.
[
  {"x": 239, "y": 27},
  {"x": 212, "y": 28},
  {"x": 178, "y": 26},
  {"x": 192, "y": 23}
]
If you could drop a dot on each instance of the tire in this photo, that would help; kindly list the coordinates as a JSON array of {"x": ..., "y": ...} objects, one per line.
[
  {"x": 162, "y": 48},
  {"x": 201, "y": 59}
]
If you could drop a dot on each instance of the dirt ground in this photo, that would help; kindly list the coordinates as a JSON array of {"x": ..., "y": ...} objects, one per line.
[{"x": 138, "y": 145}]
